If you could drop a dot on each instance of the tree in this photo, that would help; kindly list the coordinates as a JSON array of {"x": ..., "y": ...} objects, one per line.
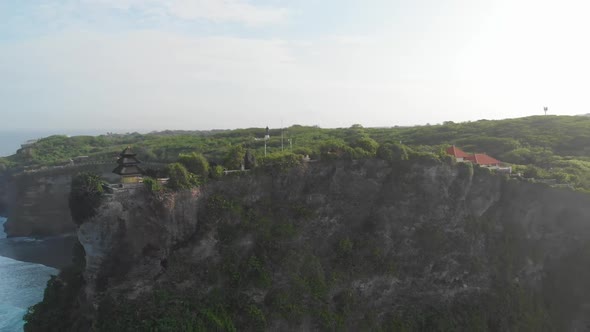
[
  {"x": 392, "y": 152},
  {"x": 281, "y": 161},
  {"x": 85, "y": 196},
  {"x": 216, "y": 172},
  {"x": 151, "y": 184},
  {"x": 234, "y": 157},
  {"x": 532, "y": 171},
  {"x": 195, "y": 163},
  {"x": 249, "y": 160},
  {"x": 179, "y": 177},
  {"x": 146, "y": 154},
  {"x": 335, "y": 149},
  {"x": 368, "y": 144}
]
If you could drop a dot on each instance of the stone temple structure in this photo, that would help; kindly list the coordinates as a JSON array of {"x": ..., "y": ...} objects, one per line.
[{"x": 128, "y": 167}]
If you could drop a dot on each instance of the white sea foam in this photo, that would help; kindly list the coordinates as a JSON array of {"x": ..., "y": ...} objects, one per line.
[{"x": 21, "y": 285}]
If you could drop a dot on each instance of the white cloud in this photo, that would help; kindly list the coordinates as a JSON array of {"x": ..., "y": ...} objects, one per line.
[
  {"x": 463, "y": 63},
  {"x": 156, "y": 80},
  {"x": 139, "y": 79},
  {"x": 226, "y": 11},
  {"x": 235, "y": 11}
]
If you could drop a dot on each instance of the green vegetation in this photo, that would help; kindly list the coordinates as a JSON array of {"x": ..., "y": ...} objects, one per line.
[
  {"x": 152, "y": 185},
  {"x": 54, "y": 313},
  {"x": 269, "y": 265},
  {"x": 234, "y": 158},
  {"x": 281, "y": 161},
  {"x": 163, "y": 311},
  {"x": 180, "y": 178},
  {"x": 301, "y": 281},
  {"x": 85, "y": 196},
  {"x": 558, "y": 146},
  {"x": 393, "y": 152},
  {"x": 195, "y": 163},
  {"x": 282, "y": 275}
]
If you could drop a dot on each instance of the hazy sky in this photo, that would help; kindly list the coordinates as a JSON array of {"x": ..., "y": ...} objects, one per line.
[{"x": 201, "y": 64}]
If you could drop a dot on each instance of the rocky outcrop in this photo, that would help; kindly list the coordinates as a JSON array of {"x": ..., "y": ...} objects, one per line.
[
  {"x": 5, "y": 193},
  {"x": 36, "y": 203},
  {"x": 131, "y": 226},
  {"x": 353, "y": 246},
  {"x": 40, "y": 206}
]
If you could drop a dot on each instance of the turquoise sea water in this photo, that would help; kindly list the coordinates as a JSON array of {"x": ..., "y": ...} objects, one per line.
[{"x": 21, "y": 284}]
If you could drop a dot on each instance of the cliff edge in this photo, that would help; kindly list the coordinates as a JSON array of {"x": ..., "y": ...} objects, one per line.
[
  {"x": 346, "y": 245},
  {"x": 36, "y": 203}
]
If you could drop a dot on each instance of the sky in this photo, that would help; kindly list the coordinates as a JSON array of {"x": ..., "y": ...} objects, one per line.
[{"x": 91, "y": 65}]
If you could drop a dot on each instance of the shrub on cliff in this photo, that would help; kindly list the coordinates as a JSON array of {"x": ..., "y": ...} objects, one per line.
[
  {"x": 281, "y": 161},
  {"x": 152, "y": 185},
  {"x": 465, "y": 170},
  {"x": 195, "y": 163},
  {"x": 85, "y": 196},
  {"x": 216, "y": 172},
  {"x": 367, "y": 144},
  {"x": 54, "y": 312},
  {"x": 335, "y": 149},
  {"x": 180, "y": 178},
  {"x": 3, "y": 165},
  {"x": 234, "y": 157},
  {"x": 249, "y": 160},
  {"x": 392, "y": 152}
]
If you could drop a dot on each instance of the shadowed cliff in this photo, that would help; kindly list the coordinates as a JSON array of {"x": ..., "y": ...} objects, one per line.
[
  {"x": 367, "y": 245},
  {"x": 36, "y": 203}
]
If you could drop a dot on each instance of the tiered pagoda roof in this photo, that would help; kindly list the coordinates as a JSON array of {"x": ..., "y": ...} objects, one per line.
[{"x": 128, "y": 164}]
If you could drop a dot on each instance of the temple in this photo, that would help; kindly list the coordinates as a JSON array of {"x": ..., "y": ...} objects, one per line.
[{"x": 128, "y": 167}]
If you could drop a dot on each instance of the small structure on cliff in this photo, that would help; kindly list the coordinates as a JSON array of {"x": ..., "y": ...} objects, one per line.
[
  {"x": 128, "y": 167},
  {"x": 480, "y": 159},
  {"x": 459, "y": 154}
]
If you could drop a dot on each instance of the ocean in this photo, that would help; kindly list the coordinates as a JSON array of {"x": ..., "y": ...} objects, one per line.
[
  {"x": 10, "y": 140},
  {"x": 22, "y": 283},
  {"x": 26, "y": 264}
]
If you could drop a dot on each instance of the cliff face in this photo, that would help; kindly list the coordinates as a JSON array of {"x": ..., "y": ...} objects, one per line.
[
  {"x": 36, "y": 204},
  {"x": 5, "y": 191},
  {"x": 39, "y": 206},
  {"x": 341, "y": 246},
  {"x": 130, "y": 227}
]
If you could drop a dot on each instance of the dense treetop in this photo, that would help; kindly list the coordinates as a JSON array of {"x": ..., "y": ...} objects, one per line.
[{"x": 544, "y": 146}]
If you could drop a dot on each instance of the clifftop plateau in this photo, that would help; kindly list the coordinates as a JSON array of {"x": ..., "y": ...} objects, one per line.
[{"x": 343, "y": 245}]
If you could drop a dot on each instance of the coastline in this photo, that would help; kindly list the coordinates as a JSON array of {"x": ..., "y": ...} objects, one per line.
[
  {"x": 25, "y": 267},
  {"x": 53, "y": 251}
]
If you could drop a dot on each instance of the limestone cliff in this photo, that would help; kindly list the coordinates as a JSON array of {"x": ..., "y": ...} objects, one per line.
[
  {"x": 352, "y": 246},
  {"x": 36, "y": 203}
]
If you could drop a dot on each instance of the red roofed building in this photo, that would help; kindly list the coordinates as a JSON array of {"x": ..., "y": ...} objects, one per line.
[
  {"x": 459, "y": 154},
  {"x": 483, "y": 160},
  {"x": 480, "y": 159}
]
